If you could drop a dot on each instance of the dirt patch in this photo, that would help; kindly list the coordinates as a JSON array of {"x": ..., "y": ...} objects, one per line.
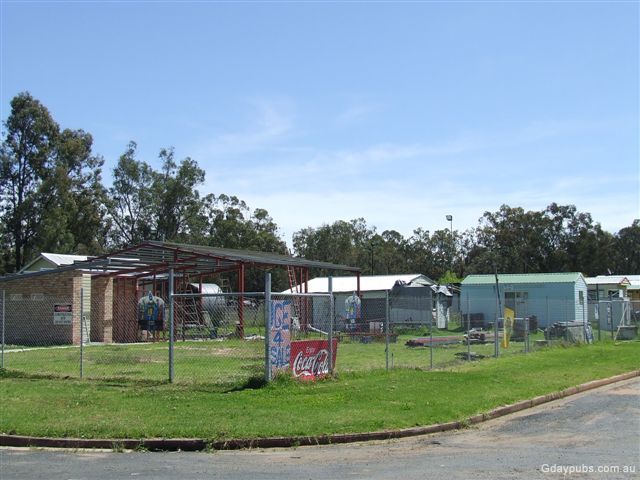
[{"x": 217, "y": 352}]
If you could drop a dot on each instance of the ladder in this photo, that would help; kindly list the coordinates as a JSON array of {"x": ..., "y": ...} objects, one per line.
[{"x": 293, "y": 281}]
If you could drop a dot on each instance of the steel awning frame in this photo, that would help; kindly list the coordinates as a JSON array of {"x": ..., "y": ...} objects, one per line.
[{"x": 154, "y": 257}]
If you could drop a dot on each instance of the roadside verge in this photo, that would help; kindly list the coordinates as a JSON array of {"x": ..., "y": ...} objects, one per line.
[{"x": 195, "y": 444}]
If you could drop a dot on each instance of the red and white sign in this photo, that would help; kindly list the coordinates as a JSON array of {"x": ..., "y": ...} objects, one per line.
[
  {"x": 310, "y": 358},
  {"x": 62, "y": 314}
]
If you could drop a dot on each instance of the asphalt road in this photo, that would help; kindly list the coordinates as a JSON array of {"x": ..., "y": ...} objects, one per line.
[{"x": 591, "y": 435}]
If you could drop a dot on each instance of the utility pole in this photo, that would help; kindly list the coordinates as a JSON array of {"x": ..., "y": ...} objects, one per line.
[{"x": 453, "y": 243}]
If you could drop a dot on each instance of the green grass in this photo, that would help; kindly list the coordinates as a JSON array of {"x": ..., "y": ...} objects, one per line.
[
  {"x": 352, "y": 402},
  {"x": 228, "y": 363}
]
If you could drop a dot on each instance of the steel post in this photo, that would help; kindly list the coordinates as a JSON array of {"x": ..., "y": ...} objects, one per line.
[
  {"x": 468, "y": 329},
  {"x": 81, "y": 332},
  {"x": 386, "y": 330},
  {"x": 171, "y": 327},
  {"x": 332, "y": 308},
  {"x": 597, "y": 315},
  {"x": 267, "y": 327},
  {"x": 431, "y": 329},
  {"x": 3, "y": 324}
]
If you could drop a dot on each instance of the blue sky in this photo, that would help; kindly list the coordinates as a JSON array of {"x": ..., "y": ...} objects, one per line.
[{"x": 400, "y": 113}]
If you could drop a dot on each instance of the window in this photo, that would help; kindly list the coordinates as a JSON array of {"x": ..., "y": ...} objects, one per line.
[{"x": 515, "y": 300}]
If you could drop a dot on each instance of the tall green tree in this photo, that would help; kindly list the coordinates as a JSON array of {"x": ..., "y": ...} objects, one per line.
[
  {"x": 130, "y": 200},
  {"x": 73, "y": 198},
  {"x": 510, "y": 240},
  {"x": 346, "y": 243},
  {"x": 577, "y": 243},
  {"x": 51, "y": 192},
  {"x": 627, "y": 248},
  {"x": 179, "y": 206},
  {"x": 26, "y": 157}
]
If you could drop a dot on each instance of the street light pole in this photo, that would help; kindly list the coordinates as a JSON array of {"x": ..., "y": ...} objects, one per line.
[
  {"x": 371, "y": 247},
  {"x": 453, "y": 244}
]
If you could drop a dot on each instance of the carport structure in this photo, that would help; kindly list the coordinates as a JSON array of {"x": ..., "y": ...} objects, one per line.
[{"x": 155, "y": 261}]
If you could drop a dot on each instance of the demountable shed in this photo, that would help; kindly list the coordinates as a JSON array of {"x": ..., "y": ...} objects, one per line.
[{"x": 549, "y": 297}]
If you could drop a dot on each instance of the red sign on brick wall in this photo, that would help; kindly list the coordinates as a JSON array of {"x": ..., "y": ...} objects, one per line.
[{"x": 310, "y": 358}]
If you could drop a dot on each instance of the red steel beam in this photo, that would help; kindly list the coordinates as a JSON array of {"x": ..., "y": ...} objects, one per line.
[{"x": 241, "y": 301}]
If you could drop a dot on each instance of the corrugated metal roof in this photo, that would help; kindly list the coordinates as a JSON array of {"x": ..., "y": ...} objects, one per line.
[
  {"x": 608, "y": 280},
  {"x": 57, "y": 259},
  {"x": 255, "y": 257},
  {"x": 570, "y": 277},
  {"x": 632, "y": 281},
  {"x": 635, "y": 282},
  {"x": 60, "y": 259},
  {"x": 371, "y": 283},
  {"x": 153, "y": 257}
]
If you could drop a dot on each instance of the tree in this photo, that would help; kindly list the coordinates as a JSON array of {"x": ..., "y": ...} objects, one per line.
[
  {"x": 449, "y": 277},
  {"x": 391, "y": 253},
  {"x": 130, "y": 204},
  {"x": 345, "y": 243},
  {"x": 627, "y": 248},
  {"x": 578, "y": 244},
  {"x": 179, "y": 205},
  {"x": 419, "y": 255},
  {"x": 228, "y": 224},
  {"x": 511, "y": 241},
  {"x": 73, "y": 198},
  {"x": 26, "y": 155}
]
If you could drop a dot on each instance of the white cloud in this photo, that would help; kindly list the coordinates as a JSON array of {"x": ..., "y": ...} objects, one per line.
[
  {"x": 271, "y": 122},
  {"x": 405, "y": 186}
]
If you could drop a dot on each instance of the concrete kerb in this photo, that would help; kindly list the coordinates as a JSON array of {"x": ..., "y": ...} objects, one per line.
[{"x": 195, "y": 444}]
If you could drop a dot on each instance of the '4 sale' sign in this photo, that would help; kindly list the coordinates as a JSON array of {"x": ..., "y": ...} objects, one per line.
[{"x": 280, "y": 336}]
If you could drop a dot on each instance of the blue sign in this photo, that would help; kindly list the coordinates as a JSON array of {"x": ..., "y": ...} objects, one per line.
[{"x": 280, "y": 336}]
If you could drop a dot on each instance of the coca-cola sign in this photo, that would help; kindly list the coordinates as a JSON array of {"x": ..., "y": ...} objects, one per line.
[{"x": 310, "y": 358}]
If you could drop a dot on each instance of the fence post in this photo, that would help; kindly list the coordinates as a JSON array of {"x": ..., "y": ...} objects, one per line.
[
  {"x": 81, "y": 333},
  {"x": 597, "y": 311},
  {"x": 431, "y": 331},
  {"x": 171, "y": 332},
  {"x": 548, "y": 321},
  {"x": 332, "y": 308},
  {"x": 584, "y": 322},
  {"x": 496, "y": 325},
  {"x": 566, "y": 319},
  {"x": 3, "y": 310},
  {"x": 610, "y": 315},
  {"x": 267, "y": 327},
  {"x": 386, "y": 329},
  {"x": 468, "y": 329}
]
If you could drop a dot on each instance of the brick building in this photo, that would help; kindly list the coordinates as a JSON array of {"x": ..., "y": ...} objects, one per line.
[{"x": 67, "y": 299}]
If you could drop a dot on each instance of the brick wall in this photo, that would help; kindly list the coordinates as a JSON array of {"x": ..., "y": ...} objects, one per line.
[
  {"x": 29, "y": 309},
  {"x": 102, "y": 309},
  {"x": 125, "y": 311}
]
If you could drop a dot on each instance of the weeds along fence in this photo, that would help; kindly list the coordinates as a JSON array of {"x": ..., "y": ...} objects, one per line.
[{"x": 229, "y": 340}]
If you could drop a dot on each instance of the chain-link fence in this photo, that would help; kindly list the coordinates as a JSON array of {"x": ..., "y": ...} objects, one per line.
[
  {"x": 127, "y": 335},
  {"x": 231, "y": 339}
]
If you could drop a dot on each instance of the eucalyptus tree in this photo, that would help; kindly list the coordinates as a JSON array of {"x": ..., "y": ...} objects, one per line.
[
  {"x": 51, "y": 193},
  {"x": 175, "y": 193},
  {"x": 73, "y": 198},
  {"x": 627, "y": 250},
  {"x": 130, "y": 200},
  {"x": 26, "y": 155}
]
